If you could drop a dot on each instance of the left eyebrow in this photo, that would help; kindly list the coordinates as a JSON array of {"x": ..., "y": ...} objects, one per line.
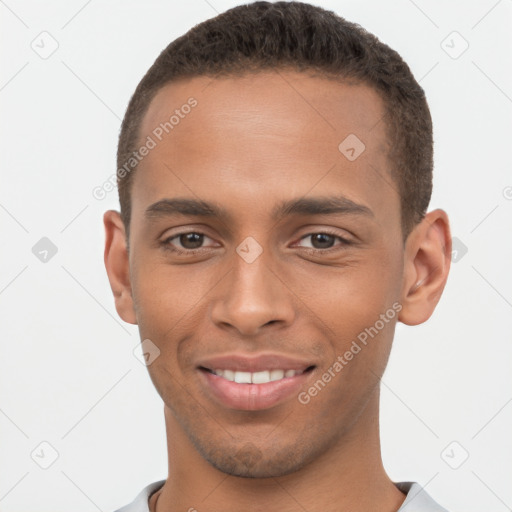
[
  {"x": 321, "y": 206},
  {"x": 303, "y": 206}
]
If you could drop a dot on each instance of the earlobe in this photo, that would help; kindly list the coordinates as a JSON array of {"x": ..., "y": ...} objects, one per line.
[
  {"x": 426, "y": 266},
  {"x": 118, "y": 266}
]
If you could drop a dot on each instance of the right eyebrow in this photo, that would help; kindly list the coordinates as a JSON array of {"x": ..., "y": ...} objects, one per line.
[{"x": 184, "y": 206}]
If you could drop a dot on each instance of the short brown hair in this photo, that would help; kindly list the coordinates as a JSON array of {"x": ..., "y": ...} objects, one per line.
[{"x": 263, "y": 35}]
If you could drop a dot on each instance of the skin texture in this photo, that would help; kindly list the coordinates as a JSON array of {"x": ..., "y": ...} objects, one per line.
[{"x": 250, "y": 143}]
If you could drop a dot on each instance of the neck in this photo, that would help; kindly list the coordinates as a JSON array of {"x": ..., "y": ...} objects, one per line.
[{"x": 348, "y": 476}]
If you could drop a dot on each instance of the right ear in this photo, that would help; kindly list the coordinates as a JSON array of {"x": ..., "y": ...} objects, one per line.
[{"x": 118, "y": 265}]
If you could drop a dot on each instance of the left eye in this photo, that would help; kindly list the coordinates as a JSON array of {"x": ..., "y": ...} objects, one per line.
[{"x": 323, "y": 240}]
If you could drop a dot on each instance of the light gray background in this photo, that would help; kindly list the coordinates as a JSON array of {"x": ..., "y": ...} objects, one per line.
[{"x": 68, "y": 374}]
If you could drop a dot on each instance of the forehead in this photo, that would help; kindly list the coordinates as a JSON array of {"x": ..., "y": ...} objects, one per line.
[
  {"x": 264, "y": 135},
  {"x": 280, "y": 97}
]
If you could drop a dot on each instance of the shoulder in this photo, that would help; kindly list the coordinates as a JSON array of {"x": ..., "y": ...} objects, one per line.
[
  {"x": 417, "y": 500},
  {"x": 140, "y": 503}
]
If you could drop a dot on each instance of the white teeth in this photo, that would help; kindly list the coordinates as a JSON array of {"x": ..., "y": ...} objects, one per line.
[
  {"x": 260, "y": 377},
  {"x": 243, "y": 377},
  {"x": 256, "y": 377},
  {"x": 276, "y": 375},
  {"x": 227, "y": 374}
]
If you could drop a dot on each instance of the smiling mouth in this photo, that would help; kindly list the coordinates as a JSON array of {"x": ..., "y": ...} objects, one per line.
[{"x": 260, "y": 377}]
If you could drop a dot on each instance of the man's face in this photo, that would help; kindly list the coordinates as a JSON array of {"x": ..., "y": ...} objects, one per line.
[{"x": 299, "y": 287}]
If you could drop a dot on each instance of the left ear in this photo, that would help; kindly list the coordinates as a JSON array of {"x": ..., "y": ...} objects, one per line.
[{"x": 427, "y": 259}]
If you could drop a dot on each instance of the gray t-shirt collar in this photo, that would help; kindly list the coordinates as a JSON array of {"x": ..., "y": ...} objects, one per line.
[{"x": 417, "y": 499}]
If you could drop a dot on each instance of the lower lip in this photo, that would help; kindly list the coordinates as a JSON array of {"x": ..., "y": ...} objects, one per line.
[{"x": 252, "y": 397}]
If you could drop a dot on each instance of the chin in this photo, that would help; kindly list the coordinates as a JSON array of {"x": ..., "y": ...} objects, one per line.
[{"x": 250, "y": 461}]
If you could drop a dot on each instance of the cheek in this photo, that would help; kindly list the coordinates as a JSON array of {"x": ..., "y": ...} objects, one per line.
[
  {"x": 349, "y": 298},
  {"x": 167, "y": 290},
  {"x": 171, "y": 303},
  {"x": 162, "y": 298}
]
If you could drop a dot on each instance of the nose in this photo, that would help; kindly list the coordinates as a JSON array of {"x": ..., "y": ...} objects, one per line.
[{"x": 251, "y": 297}]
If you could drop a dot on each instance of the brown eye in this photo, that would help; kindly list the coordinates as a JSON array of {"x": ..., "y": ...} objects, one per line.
[
  {"x": 323, "y": 241},
  {"x": 191, "y": 240},
  {"x": 188, "y": 242}
]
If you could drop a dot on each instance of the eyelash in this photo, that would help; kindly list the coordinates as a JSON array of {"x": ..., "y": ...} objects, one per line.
[{"x": 166, "y": 243}]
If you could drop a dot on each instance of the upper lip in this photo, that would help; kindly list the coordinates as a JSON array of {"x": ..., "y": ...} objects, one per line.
[{"x": 251, "y": 363}]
